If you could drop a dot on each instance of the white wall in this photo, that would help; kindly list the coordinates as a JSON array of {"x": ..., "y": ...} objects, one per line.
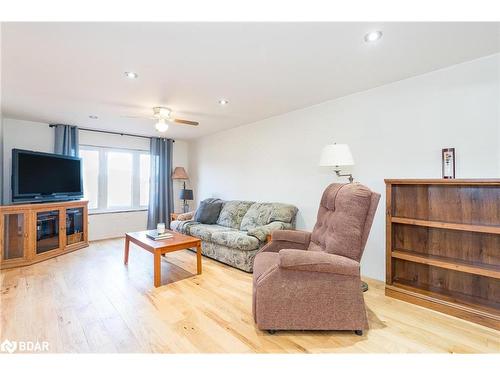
[
  {"x": 397, "y": 130},
  {"x": 1, "y": 157},
  {"x": 1, "y": 126},
  {"x": 39, "y": 137},
  {"x": 112, "y": 225},
  {"x": 26, "y": 135}
]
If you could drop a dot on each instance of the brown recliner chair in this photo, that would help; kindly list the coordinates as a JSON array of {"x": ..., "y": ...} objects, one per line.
[{"x": 311, "y": 281}]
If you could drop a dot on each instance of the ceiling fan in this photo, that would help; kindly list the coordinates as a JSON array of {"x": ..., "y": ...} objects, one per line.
[{"x": 162, "y": 115}]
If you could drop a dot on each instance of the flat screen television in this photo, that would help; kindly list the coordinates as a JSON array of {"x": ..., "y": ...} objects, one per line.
[{"x": 43, "y": 177}]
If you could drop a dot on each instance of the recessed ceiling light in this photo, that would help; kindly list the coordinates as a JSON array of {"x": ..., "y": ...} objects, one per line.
[
  {"x": 373, "y": 36},
  {"x": 223, "y": 101},
  {"x": 131, "y": 75},
  {"x": 93, "y": 117}
]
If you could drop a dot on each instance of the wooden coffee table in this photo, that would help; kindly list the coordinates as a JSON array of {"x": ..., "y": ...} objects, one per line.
[{"x": 160, "y": 247}]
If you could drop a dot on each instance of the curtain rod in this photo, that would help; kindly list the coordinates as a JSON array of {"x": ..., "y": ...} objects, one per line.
[{"x": 116, "y": 133}]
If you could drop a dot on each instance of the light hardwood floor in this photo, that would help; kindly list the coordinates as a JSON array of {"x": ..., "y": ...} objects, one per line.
[{"x": 88, "y": 301}]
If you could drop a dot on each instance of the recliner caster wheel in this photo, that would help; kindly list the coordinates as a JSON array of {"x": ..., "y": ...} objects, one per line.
[
  {"x": 364, "y": 286},
  {"x": 358, "y": 332},
  {"x": 271, "y": 331}
]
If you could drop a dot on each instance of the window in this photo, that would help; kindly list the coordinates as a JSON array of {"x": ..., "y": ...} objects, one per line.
[
  {"x": 119, "y": 179},
  {"x": 115, "y": 179}
]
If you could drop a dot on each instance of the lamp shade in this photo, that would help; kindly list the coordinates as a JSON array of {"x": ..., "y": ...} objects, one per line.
[
  {"x": 336, "y": 155},
  {"x": 180, "y": 174},
  {"x": 186, "y": 194}
]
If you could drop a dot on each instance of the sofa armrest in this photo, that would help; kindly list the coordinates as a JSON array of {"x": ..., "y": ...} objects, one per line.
[
  {"x": 185, "y": 216},
  {"x": 261, "y": 232},
  {"x": 316, "y": 261},
  {"x": 287, "y": 239}
]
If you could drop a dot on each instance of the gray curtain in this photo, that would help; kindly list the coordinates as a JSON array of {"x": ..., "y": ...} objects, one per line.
[
  {"x": 161, "y": 198},
  {"x": 66, "y": 140}
]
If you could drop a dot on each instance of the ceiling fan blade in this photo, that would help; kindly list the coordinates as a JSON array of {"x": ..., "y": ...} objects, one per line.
[{"x": 185, "y": 122}]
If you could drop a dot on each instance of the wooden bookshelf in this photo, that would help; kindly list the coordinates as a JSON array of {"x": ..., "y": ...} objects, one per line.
[{"x": 443, "y": 246}]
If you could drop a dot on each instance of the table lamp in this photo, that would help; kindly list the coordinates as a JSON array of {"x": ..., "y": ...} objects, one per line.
[
  {"x": 337, "y": 155},
  {"x": 186, "y": 195}
]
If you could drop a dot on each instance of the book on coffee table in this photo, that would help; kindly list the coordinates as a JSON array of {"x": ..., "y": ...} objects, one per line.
[{"x": 154, "y": 235}]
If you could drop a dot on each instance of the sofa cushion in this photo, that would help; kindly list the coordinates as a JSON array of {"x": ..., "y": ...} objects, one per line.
[
  {"x": 283, "y": 212},
  {"x": 182, "y": 226},
  {"x": 235, "y": 239},
  {"x": 208, "y": 211},
  {"x": 256, "y": 216},
  {"x": 206, "y": 231},
  {"x": 260, "y": 214},
  {"x": 232, "y": 213},
  {"x": 185, "y": 216}
]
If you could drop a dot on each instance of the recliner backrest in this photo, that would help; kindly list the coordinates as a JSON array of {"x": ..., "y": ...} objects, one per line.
[{"x": 345, "y": 217}]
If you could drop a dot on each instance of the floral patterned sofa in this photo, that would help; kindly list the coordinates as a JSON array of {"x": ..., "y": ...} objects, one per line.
[{"x": 240, "y": 231}]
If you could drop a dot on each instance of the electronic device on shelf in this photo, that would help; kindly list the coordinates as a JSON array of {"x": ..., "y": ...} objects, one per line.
[{"x": 44, "y": 177}]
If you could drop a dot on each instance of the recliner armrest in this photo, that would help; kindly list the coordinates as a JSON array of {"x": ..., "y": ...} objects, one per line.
[
  {"x": 316, "y": 261},
  {"x": 297, "y": 236},
  {"x": 287, "y": 239}
]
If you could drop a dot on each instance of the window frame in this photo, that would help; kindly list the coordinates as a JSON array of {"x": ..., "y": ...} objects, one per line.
[{"x": 102, "y": 179}]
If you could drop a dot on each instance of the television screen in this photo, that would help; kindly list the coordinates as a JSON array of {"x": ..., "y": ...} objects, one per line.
[{"x": 38, "y": 176}]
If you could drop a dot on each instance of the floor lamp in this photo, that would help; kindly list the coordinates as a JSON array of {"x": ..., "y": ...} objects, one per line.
[{"x": 185, "y": 194}]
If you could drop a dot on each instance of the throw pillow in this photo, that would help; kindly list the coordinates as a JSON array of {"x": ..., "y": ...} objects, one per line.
[{"x": 208, "y": 211}]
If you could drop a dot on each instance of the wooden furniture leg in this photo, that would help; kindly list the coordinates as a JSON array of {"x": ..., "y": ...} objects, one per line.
[
  {"x": 127, "y": 247},
  {"x": 198, "y": 259},
  {"x": 157, "y": 269}
]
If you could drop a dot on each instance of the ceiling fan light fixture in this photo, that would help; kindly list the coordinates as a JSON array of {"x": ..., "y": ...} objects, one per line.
[
  {"x": 161, "y": 112},
  {"x": 161, "y": 126}
]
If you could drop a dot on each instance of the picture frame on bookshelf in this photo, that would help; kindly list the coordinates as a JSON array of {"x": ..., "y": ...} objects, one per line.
[{"x": 448, "y": 163}]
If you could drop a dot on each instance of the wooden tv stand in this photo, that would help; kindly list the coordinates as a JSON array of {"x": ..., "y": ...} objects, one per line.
[{"x": 31, "y": 233}]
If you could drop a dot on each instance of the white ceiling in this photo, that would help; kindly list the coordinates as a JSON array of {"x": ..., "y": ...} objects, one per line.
[{"x": 64, "y": 72}]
